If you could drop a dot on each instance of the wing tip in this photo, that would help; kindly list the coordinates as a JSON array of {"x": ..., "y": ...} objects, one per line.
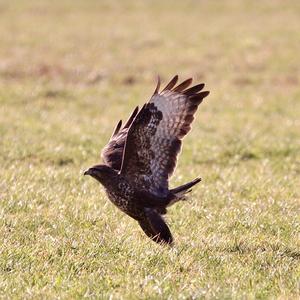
[
  {"x": 157, "y": 85},
  {"x": 171, "y": 84},
  {"x": 182, "y": 86},
  {"x": 131, "y": 118},
  {"x": 117, "y": 129},
  {"x": 194, "y": 89},
  {"x": 198, "y": 98}
]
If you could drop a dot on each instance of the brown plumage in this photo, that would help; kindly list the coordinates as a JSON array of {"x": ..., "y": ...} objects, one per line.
[{"x": 141, "y": 156}]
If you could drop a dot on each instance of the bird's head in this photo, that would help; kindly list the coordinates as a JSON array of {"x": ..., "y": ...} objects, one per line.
[{"x": 100, "y": 172}]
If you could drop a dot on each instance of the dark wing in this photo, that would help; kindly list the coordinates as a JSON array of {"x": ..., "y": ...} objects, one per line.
[
  {"x": 112, "y": 153},
  {"x": 154, "y": 138},
  {"x": 155, "y": 227}
]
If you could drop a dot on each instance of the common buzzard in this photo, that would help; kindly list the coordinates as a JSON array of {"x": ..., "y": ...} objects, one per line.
[{"x": 141, "y": 156}]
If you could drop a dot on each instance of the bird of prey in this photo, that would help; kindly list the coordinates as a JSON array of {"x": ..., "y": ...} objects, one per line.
[{"x": 141, "y": 156}]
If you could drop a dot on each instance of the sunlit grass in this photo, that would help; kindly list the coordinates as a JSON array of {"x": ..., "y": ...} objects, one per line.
[{"x": 70, "y": 70}]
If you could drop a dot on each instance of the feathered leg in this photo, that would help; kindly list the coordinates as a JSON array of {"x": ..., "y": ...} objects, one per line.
[{"x": 155, "y": 227}]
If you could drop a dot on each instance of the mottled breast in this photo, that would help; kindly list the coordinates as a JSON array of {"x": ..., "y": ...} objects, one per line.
[{"x": 122, "y": 195}]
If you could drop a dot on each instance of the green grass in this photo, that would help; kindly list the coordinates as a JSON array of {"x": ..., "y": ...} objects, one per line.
[{"x": 70, "y": 69}]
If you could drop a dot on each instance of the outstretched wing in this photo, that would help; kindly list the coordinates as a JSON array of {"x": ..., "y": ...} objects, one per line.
[
  {"x": 154, "y": 137},
  {"x": 112, "y": 153},
  {"x": 155, "y": 227}
]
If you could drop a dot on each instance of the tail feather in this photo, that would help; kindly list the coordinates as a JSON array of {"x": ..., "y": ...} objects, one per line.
[{"x": 180, "y": 191}]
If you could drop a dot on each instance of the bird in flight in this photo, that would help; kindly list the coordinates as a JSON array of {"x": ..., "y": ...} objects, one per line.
[{"x": 141, "y": 156}]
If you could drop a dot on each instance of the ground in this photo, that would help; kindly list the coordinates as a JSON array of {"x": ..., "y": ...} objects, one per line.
[{"x": 69, "y": 70}]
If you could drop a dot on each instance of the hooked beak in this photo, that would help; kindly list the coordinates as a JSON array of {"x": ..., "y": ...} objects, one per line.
[{"x": 88, "y": 172}]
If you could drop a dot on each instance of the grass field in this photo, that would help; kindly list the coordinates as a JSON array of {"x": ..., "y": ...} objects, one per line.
[{"x": 69, "y": 70}]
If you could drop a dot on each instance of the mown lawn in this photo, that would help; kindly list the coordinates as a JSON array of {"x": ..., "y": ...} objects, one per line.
[{"x": 70, "y": 69}]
